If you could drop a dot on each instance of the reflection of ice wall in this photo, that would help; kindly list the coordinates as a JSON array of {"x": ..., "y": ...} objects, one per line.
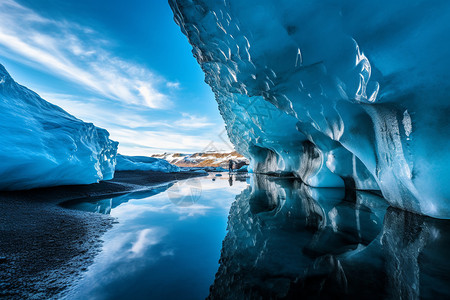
[
  {"x": 337, "y": 92},
  {"x": 42, "y": 145},
  {"x": 286, "y": 240}
]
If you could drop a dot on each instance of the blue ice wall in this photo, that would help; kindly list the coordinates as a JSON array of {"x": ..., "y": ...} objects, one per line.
[
  {"x": 338, "y": 92},
  {"x": 42, "y": 145}
]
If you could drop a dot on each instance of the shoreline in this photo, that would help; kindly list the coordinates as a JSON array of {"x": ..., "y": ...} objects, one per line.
[{"x": 44, "y": 247}]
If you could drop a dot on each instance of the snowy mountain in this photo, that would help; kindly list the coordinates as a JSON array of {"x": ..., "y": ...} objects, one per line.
[
  {"x": 340, "y": 93},
  {"x": 204, "y": 159},
  {"x": 42, "y": 145}
]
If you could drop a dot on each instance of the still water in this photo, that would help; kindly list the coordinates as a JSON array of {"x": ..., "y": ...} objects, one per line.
[
  {"x": 261, "y": 237},
  {"x": 166, "y": 244}
]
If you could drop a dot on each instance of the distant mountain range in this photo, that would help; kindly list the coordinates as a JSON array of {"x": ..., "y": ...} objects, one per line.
[{"x": 204, "y": 159}]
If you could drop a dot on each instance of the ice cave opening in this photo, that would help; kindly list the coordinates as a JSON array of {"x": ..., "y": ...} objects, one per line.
[{"x": 338, "y": 93}]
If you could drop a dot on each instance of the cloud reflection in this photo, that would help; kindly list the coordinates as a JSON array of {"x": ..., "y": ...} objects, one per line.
[{"x": 146, "y": 238}]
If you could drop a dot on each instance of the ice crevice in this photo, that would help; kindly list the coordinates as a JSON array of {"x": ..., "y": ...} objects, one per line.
[{"x": 338, "y": 93}]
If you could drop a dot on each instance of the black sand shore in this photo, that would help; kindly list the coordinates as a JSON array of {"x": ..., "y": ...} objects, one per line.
[{"x": 44, "y": 248}]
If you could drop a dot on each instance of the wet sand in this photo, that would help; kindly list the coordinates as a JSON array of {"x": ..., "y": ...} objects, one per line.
[{"x": 44, "y": 248}]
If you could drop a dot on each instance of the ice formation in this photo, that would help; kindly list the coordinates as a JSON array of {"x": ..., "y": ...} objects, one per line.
[
  {"x": 287, "y": 240},
  {"x": 338, "y": 93},
  {"x": 42, "y": 145},
  {"x": 144, "y": 163}
]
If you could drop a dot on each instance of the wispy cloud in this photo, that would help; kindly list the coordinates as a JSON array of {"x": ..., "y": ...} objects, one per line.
[
  {"x": 79, "y": 54},
  {"x": 141, "y": 134},
  {"x": 104, "y": 115},
  {"x": 146, "y": 238},
  {"x": 135, "y": 142},
  {"x": 175, "y": 85},
  {"x": 191, "y": 121},
  {"x": 119, "y": 95}
]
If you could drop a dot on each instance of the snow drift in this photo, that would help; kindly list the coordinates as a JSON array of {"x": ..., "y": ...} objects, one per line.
[
  {"x": 144, "y": 163},
  {"x": 340, "y": 93},
  {"x": 42, "y": 145}
]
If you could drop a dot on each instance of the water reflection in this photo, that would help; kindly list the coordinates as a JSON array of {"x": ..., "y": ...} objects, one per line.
[
  {"x": 104, "y": 205},
  {"x": 284, "y": 240},
  {"x": 166, "y": 244},
  {"x": 288, "y": 241}
]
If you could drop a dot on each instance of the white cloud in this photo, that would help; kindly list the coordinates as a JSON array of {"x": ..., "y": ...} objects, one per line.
[
  {"x": 191, "y": 121},
  {"x": 140, "y": 134},
  {"x": 144, "y": 142},
  {"x": 152, "y": 97},
  {"x": 175, "y": 85},
  {"x": 78, "y": 54},
  {"x": 122, "y": 96},
  {"x": 101, "y": 112},
  {"x": 97, "y": 110}
]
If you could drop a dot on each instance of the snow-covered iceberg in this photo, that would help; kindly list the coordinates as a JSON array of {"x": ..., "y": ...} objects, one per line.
[
  {"x": 352, "y": 93},
  {"x": 144, "y": 163},
  {"x": 42, "y": 145}
]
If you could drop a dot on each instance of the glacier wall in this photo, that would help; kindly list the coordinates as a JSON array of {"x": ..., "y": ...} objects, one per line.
[
  {"x": 339, "y": 93},
  {"x": 42, "y": 145}
]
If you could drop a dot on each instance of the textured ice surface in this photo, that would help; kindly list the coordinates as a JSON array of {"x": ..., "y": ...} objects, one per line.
[
  {"x": 144, "y": 163},
  {"x": 42, "y": 145},
  {"x": 340, "y": 93}
]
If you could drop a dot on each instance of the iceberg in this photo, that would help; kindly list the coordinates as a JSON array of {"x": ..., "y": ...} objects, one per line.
[
  {"x": 338, "y": 93},
  {"x": 144, "y": 163},
  {"x": 41, "y": 145}
]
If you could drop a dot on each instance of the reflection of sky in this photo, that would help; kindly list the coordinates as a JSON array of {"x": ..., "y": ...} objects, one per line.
[{"x": 164, "y": 246}]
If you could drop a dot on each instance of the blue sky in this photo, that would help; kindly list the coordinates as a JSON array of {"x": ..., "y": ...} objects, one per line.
[{"x": 123, "y": 65}]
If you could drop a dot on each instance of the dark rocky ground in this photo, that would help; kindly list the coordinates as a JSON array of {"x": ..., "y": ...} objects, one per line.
[{"x": 45, "y": 248}]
